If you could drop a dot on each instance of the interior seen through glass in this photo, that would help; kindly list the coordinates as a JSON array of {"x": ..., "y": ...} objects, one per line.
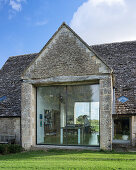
[
  {"x": 121, "y": 129},
  {"x": 68, "y": 115}
]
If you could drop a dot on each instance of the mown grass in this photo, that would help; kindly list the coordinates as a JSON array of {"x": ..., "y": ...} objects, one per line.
[{"x": 71, "y": 159}]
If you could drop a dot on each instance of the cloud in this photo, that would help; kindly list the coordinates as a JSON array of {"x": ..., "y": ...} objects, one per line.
[
  {"x": 16, "y": 4},
  {"x": 103, "y": 21},
  {"x": 108, "y": 2}
]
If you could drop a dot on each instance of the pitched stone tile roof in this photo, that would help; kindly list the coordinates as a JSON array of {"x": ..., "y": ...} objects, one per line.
[
  {"x": 121, "y": 57},
  {"x": 10, "y": 84}
]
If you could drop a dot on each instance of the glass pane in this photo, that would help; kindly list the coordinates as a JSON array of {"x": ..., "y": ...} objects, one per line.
[
  {"x": 83, "y": 115},
  {"x": 80, "y": 126},
  {"x": 121, "y": 129},
  {"x": 51, "y": 115}
]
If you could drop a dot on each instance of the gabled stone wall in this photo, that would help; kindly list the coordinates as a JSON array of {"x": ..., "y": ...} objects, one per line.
[
  {"x": 65, "y": 55},
  {"x": 66, "y": 59}
]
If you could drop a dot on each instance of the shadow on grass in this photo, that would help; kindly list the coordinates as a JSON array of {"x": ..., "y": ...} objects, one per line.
[{"x": 59, "y": 152}]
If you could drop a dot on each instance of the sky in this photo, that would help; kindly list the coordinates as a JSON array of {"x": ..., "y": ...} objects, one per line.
[
  {"x": 82, "y": 108},
  {"x": 27, "y": 25}
]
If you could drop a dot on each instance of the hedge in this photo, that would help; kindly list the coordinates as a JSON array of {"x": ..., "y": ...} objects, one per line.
[{"x": 10, "y": 148}]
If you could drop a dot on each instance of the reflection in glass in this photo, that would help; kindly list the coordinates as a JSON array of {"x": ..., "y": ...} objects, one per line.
[
  {"x": 68, "y": 115},
  {"x": 121, "y": 129},
  {"x": 83, "y": 115},
  {"x": 51, "y": 115}
]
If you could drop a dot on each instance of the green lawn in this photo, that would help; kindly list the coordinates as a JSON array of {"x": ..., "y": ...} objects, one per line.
[{"x": 62, "y": 159}]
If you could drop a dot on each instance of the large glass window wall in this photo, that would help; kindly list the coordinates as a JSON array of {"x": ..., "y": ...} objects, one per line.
[{"x": 68, "y": 115}]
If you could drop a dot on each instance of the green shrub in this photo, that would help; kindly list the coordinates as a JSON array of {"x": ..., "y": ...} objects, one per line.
[
  {"x": 14, "y": 148},
  {"x": 10, "y": 148},
  {"x": 4, "y": 148}
]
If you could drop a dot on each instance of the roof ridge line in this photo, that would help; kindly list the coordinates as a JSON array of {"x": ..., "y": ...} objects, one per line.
[
  {"x": 120, "y": 42},
  {"x": 23, "y": 55}
]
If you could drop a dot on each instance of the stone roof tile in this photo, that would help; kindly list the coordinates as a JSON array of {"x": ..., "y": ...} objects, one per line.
[
  {"x": 10, "y": 84},
  {"x": 121, "y": 57}
]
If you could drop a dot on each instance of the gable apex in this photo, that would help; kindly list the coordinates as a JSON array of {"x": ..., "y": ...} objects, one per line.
[
  {"x": 63, "y": 32},
  {"x": 89, "y": 47}
]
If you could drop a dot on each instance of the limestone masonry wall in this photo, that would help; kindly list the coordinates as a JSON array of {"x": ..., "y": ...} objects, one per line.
[{"x": 10, "y": 126}]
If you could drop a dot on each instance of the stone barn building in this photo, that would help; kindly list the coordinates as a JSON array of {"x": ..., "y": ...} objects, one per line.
[{"x": 70, "y": 94}]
